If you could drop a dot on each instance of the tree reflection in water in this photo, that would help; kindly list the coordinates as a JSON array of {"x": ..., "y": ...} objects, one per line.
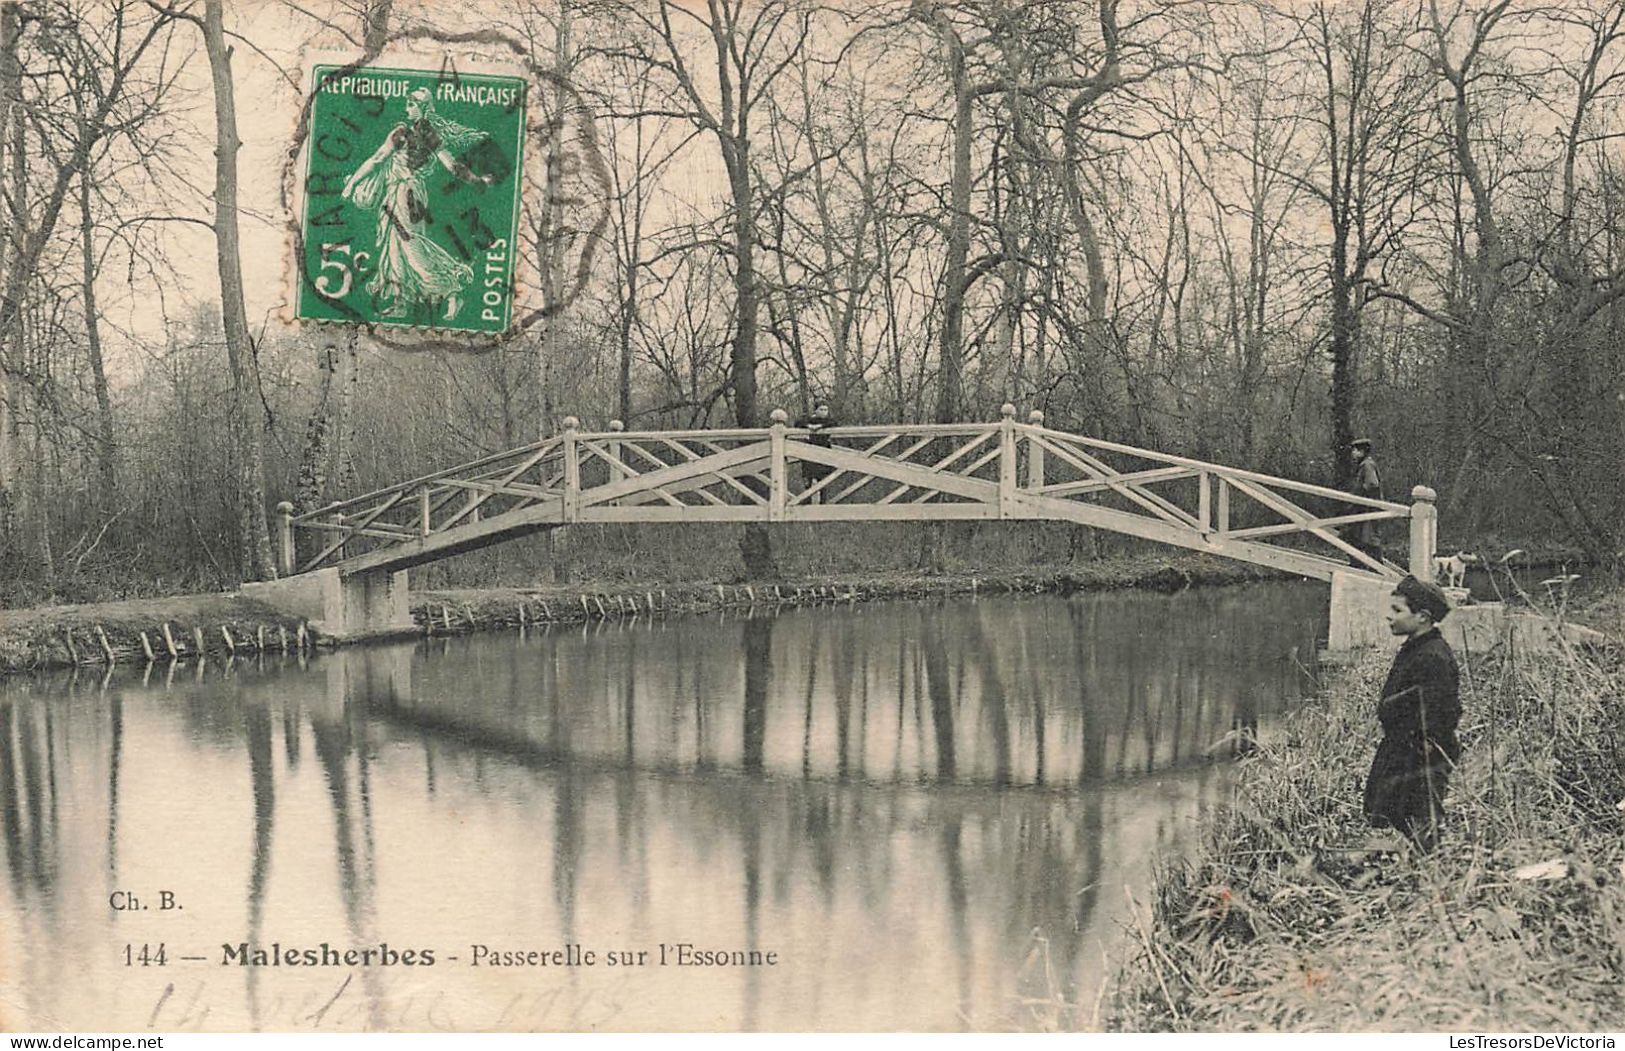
[{"x": 693, "y": 779}]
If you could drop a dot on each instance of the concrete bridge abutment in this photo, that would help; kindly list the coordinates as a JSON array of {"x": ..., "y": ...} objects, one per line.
[
  {"x": 1359, "y": 620},
  {"x": 1359, "y": 612},
  {"x": 372, "y": 605}
]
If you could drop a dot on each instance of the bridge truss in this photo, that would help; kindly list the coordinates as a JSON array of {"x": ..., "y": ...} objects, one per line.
[{"x": 980, "y": 471}]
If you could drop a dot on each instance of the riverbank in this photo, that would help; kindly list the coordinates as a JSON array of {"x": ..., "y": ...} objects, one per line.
[
  {"x": 45, "y": 637},
  {"x": 453, "y": 610},
  {"x": 130, "y": 630},
  {"x": 1279, "y": 922}
]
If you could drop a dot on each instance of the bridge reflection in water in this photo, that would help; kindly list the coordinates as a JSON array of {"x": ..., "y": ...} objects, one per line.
[{"x": 928, "y": 811}]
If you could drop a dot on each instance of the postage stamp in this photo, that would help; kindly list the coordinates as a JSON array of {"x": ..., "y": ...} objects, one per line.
[
  {"x": 412, "y": 197},
  {"x": 443, "y": 192}
]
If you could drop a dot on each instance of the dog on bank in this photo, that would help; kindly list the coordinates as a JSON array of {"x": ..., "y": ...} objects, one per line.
[{"x": 1451, "y": 570}]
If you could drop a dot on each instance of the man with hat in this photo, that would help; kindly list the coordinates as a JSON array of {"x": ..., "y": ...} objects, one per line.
[
  {"x": 1419, "y": 709},
  {"x": 1365, "y": 482}
]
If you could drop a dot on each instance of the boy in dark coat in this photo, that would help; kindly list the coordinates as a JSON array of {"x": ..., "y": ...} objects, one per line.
[
  {"x": 1418, "y": 710},
  {"x": 817, "y": 425}
]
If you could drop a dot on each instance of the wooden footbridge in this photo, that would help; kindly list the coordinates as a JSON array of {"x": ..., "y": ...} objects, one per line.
[{"x": 977, "y": 471}]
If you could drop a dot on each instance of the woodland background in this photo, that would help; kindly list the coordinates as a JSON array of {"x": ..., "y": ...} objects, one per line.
[{"x": 1240, "y": 230}]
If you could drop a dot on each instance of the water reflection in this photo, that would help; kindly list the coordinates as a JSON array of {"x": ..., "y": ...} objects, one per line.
[
  {"x": 1074, "y": 693},
  {"x": 893, "y": 798}
]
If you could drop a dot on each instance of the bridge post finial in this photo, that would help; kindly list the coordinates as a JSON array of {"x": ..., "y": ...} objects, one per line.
[
  {"x": 617, "y": 425},
  {"x": 1036, "y": 417},
  {"x": 284, "y": 532},
  {"x": 1008, "y": 411},
  {"x": 1424, "y": 532}
]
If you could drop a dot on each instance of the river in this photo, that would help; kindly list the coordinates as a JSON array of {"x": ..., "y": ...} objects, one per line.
[{"x": 900, "y": 815}]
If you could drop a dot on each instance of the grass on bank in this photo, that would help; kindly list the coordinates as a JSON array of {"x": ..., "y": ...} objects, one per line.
[
  {"x": 1276, "y": 924},
  {"x": 62, "y": 636}
]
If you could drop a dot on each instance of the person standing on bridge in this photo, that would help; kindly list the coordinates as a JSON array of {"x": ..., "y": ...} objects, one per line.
[
  {"x": 817, "y": 426},
  {"x": 1418, "y": 710},
  {"x": 1367, "y": 482}
]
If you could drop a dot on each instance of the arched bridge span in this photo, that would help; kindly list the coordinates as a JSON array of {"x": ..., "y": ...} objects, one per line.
[{"x": 914, "y": 472}]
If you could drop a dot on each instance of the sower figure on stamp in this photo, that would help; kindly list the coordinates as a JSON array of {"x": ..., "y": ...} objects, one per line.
[
  {"x": 817, "y": 426},
  {"x": 1419, "y": 709},
  {"x": 1365, "y": 482},
  {"x": 394, "y": 182}
]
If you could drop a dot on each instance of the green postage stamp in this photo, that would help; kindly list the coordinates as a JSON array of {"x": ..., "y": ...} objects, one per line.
[{"x": 411, "y": 198}]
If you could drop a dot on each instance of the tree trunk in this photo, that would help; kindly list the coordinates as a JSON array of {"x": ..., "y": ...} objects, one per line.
[
  {"x": 11, "y": 248},
  {"x": 950, "y": 352},
  {"x": 42, "y": 510},
  {"x": 1483, "y": 268},
  {"x": 840, "y": 310},
  {"x": 347, "y": 370},
  {"x": 951, "y": 336},
  {"x": 1106, "y": 80},
  {"x": 313, "y": 459},
  {"x": 755, "y": 546},
  {"x": 623, "y": 372},
  {"x": 1089, "y": 241},
  {"x": 375, "y": 26},
  {"x": 1342, "y": 351},
  {"x": 107, "y": 472},
  {"x": 253, "y": 532},
  {"x": 742, "y": 358},
  {"x": 555, "y": 542},
  {"x": 790, "y": 324},
  {"x": 335, "y": 430},
  {"x": 551, "y": 245}
]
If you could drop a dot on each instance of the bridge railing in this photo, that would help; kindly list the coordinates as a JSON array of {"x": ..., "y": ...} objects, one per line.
[
  {"x": 421, "y": 506},
  {"x": 1006, "y": 469},
  {"x": 1223, "y": 503},
  {"x": 557, "y": 469}
]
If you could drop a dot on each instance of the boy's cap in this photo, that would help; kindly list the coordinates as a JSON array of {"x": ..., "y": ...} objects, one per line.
[{"x": 1424, "y": 597}]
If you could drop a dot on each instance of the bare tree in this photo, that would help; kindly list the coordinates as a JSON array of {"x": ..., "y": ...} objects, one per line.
[
  {"x": 751, "y": 44},
  {"x": 12, "y": 138},
  {"x": 31, "y": 228},
  {"x": 253, "y": 533},
  {"x": 1366, "y": 102}
]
